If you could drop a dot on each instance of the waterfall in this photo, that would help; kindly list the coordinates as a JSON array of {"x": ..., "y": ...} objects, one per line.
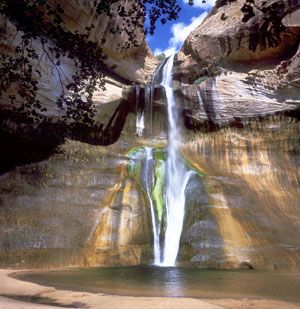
[
  {"x": 140, "y": 122},
  {"x": 149, "y": 97},
  {"x": 177, "y": 175},
  {"x": 200, "y": 101},
  {"x": 148, "y": 186},
  {"x": 149, "y": 108}
]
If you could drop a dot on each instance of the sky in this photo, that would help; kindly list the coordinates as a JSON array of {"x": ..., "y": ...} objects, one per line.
[{"x": 169, "y": 38}]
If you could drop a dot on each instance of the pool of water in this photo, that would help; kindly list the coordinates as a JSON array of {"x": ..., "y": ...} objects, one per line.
[{"x": 172, "y": 282}]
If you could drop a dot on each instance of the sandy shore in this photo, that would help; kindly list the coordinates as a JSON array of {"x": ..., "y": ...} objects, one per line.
[{"x": 17, "y": 294}]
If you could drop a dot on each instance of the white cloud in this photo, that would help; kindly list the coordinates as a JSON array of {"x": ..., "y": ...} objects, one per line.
[
  {"x": 198, "y": 3},
  {"x": 180, "y": 31},
  {"x": 157, "y": 51},
  {"x": 170, "y": 50}
]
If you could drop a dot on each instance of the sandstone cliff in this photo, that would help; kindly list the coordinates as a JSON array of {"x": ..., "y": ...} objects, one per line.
[
  {"x": 224, "y": 36},
  {"x": 124, "y": 65},
  {"x": 229, "y": 69},
  {"x": 228, "y": 74},
  {"x": 76, "y": 205},
  {"x": 82, "y": 204},
  {"x": 134, "y": 63}
]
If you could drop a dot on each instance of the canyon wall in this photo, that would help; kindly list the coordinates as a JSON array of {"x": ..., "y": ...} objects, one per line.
[
  {"x": 248, "y": 214},
  {"x": 222, "y": 76},
  {"x": 230, "y": 74},
  {"x": 125, "y": 64},
  {"x": 55, "y": 192},
  {"x": 83, "y": 204}
]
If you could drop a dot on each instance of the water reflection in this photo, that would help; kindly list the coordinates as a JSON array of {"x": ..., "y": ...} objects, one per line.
[
  {"x": 170, "y": 280},
  {"x": 174, "y": 282}
]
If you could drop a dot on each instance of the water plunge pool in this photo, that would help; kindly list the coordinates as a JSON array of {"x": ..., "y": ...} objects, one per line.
[{"x": 172, "y": 282}]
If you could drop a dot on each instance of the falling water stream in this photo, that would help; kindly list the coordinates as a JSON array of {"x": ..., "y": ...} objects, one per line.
[
  {"x": 140, "y": 122},
  {"x": 177, "y": 174},
  {"x": 148, "y": 185}
]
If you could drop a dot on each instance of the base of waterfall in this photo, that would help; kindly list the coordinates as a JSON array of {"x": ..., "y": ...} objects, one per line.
[
  {"x": 15, "y": 294},
  {"x": 54, "y": 288}
]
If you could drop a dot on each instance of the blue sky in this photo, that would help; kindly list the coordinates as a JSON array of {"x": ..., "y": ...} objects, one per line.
[{"x": 169, "y": 38}]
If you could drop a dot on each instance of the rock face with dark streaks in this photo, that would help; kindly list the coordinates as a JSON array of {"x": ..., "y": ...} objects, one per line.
[
  {"x": 124, "y": 66},
  {"x": 223, "y": 36},
  {"x": 65, "y": 202},
  {"x": 76, "y": 207},
  {"x": 81, "y": 203},
  {"x": 223, "y": 77},
  {"x": 245, "y": 212}
]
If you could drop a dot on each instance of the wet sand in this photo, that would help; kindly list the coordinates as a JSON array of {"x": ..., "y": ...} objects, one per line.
[{"x": 17, "y": 294}]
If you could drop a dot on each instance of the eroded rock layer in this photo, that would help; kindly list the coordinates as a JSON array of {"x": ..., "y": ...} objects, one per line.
[
  {"x": 123, "y": 66},
  {"x": 222, "y": 78},
  {"x": 248, "y": 214},
  {"x": 84, "y": 204},
  {"x": 78, "y": 207}
]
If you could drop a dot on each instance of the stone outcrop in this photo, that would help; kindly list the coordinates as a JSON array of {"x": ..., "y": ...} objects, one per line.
[
  {"x": 134, "y": 63},
  {"x": 54, "y": 205},
  {"x": 244, "y": 213},
  {"x": 76, "y": 207},
  {"x": 78, "y": 204},
  {"x": 228, "y": 75},
  {"x": 123, "y": 67},
  {"x": 224, "y": 36},
  {"x": 222, "y": 79}
]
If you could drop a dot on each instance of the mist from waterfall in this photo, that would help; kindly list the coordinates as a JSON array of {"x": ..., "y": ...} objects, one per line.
[{"x": 177, "y": 174}]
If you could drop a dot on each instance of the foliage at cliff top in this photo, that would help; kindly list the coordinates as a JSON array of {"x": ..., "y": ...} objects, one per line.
[
  {"x": 42, "y": 21},
  {"x": 161, "y": 57},
  {"x": 38, "y": 20}
]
